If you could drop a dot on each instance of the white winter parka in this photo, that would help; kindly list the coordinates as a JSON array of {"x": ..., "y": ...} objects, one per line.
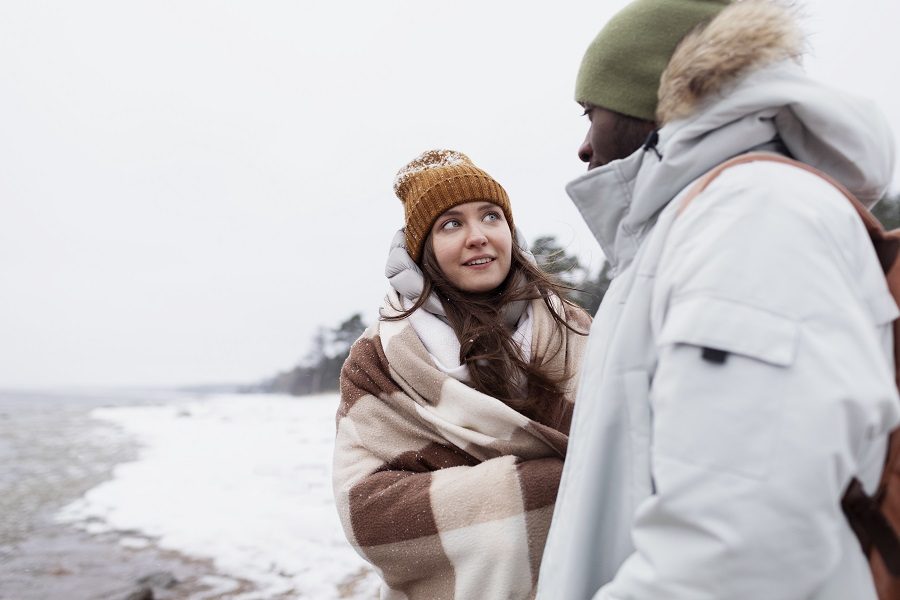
[{"x": 739, "y": 371}]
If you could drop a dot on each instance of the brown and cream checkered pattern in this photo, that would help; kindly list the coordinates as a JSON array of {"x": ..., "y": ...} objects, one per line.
[{"x": 448, "y": 492}]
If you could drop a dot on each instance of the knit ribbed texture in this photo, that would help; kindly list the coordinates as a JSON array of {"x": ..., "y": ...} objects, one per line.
[
  {"x": 622, "y": 66},
  {"x": 436, "y": 181}
]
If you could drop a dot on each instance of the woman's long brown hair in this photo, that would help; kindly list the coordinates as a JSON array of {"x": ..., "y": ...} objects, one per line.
[{"x": 487, "y": 348}]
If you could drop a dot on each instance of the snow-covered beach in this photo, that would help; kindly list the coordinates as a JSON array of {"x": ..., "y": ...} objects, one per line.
[{"x": 241, "y": 480}]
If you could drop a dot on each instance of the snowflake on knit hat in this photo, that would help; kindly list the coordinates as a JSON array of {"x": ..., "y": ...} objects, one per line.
[{"x": 431, "y": 159}]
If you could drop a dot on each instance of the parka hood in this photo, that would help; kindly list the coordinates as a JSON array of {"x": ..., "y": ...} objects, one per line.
[{"x": 733, "y": 87}]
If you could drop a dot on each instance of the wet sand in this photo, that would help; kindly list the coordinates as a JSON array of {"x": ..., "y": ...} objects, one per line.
[{"x": 52, "y": 452}]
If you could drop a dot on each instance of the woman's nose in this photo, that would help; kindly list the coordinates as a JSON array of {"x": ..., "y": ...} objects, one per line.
[{"x": 476, "y": 238}]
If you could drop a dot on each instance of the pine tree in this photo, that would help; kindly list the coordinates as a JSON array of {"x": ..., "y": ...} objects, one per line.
[
  {"x": 586, "y": 290},
  {"x": 888, "y": 212}
]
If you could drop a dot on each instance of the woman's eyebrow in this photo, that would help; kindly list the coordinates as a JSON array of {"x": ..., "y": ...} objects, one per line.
[{"x": 453, "y": 212}]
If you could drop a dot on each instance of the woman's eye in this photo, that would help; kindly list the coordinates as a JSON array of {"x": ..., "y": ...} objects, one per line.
[
  {"x": 491, "y": 217},
  {"x": 451, "y": 224}
]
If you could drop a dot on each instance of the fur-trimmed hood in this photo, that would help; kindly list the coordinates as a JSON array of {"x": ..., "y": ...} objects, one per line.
[
  {"x": 733, "y": 87},
  {"x": 746, "y": 37}
]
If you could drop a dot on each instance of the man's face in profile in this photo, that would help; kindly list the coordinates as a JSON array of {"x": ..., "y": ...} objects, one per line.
[{"x": 611, "y": 136}]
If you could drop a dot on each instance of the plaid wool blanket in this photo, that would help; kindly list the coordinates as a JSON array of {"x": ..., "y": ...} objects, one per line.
[{"x": 446, "y": 491}]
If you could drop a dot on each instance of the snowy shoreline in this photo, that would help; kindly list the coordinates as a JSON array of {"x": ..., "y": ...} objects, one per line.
[{"x": 242, "y": 480}]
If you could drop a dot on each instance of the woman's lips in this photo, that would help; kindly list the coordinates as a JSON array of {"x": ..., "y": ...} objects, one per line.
[{"x": 479, "y": 262}]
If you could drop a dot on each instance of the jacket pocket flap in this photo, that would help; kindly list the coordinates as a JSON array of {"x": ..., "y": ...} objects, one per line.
[{"x": 731, "y": 327}]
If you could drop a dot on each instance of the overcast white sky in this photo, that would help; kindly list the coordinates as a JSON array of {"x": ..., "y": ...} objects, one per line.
[{"x": 189, "y": 188}]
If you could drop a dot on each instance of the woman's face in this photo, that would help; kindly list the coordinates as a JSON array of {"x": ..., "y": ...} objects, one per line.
[{"x": 473, "y": 245}]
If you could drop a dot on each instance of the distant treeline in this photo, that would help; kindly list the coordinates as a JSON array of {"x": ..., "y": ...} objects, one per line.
[{"x": 320, "y": 370}]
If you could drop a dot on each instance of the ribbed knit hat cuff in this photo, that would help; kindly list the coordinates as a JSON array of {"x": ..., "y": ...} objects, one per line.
[{"x": 446, "y": 193}]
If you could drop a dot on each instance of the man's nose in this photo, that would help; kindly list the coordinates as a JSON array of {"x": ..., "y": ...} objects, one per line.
[{"x": 585, "y": 152}]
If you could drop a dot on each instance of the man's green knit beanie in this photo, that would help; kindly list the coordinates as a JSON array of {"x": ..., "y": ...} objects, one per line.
[{"x": 622, "y": 66}]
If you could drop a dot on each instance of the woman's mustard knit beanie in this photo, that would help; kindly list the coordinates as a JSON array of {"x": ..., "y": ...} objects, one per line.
[
  {"x": 621, "y": 69},
  {"x": 436, "y": 181}
]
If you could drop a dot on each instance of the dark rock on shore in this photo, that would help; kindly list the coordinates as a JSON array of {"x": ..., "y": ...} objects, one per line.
[
  {"x": 159, "y": 579},
  {"x": 142, "y": 593}
]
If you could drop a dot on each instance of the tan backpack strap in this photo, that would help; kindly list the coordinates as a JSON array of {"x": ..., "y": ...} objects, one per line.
[{"x": 750, "y": 157}]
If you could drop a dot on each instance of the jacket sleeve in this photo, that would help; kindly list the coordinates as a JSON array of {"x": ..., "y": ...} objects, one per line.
[
  {"x": 773, "y": 388},
  {"x": 420, "y": 509}
]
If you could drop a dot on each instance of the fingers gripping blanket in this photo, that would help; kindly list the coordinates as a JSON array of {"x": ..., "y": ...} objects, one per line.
[{"x": 448, "y": 492}]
